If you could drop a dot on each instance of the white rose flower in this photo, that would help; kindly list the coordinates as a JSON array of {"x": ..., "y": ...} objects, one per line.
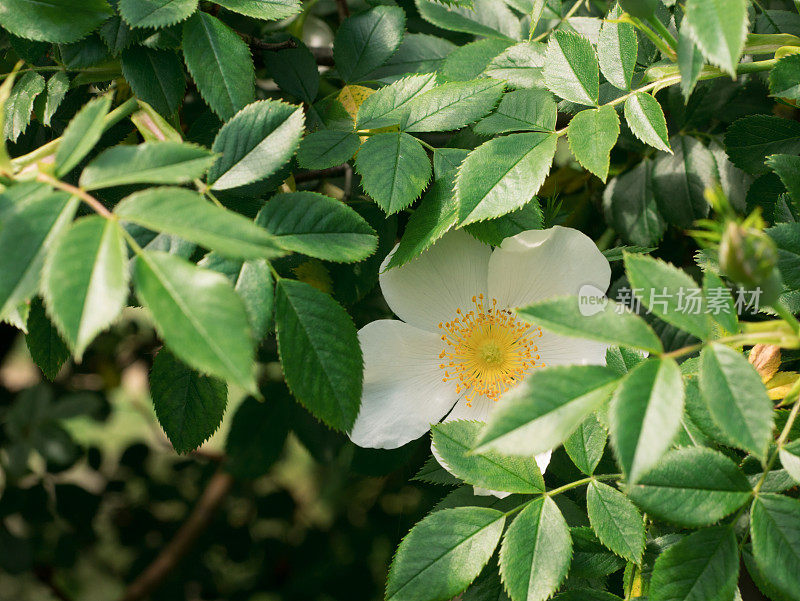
[{"x": 459, "y": 346}]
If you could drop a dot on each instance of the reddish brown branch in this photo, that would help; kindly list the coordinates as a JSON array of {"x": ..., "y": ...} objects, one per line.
[
  {"x": 176, "y": 549},
  {"x": 342, "y": 9}
]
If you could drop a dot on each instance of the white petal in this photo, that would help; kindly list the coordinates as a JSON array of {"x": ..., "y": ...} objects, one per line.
[
  {"x": 538, "y": 264},
  {"x": 563, "y": 350},
  {"x": 429, "y": 289},
  {"x": 403, "y": 389}
]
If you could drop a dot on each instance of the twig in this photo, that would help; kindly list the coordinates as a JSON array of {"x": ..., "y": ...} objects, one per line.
[
  {"x": 96, "y": 205},
  {"x": 342, "y": 9},
  {"x": 254, "y": 42},
  {"x": 308, "y": 176},
  {"x": 171, "y": 555}
]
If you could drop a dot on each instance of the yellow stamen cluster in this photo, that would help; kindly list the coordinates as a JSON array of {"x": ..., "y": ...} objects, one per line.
[{"x": 487, "y": 350}]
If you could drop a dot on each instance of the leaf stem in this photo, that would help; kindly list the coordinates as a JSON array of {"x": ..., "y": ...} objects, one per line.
[
  {"x": 118, "y": 114},
  {"x": 206, "y": 191},
  {"x": 663, "y": 46},
  {"x": 787, "y": 316},
  {"x": 90, "y": 200},
  {"x": 426, "y": 145},
  {"x": 660, "y": 28},
  {"x": 581, "y": 482}
]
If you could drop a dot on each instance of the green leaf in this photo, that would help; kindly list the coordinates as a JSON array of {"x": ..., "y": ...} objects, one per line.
[
  {"x": 85, "y": 280},
  {"x": 630, "y": 206},
  {"x": 267, "y": 10},
  {"x": 736, "y": 398},
  {"x": 586, "y": 594},
  {"x": 622, "y": 360},
  {"x": 432, "y": 472},
  {"x": 592, "y": 134},
  {"x": 19, "y": 106},
  {"x": 436, "y": 213},
  {"x": 703, "y": 566},
  {"x": 60, "y": 21},
  {"x": 257, "y": 142},
  {"x": 453, "y": 442},
  {"x": 189, "y": 405},
  {"x": 257, "y": 435},
  {"x": 617, "y": 48},
  {"x": 156, "y": 13},
  {"x": 664, "y": 289},
  {"x": 394, "y": 168},
  {"x": 692, "y": 487},
  {"x": 151, "y": 162},
  {"x": 320, "y": 353},
  {"x": 617, "y": 522},
  {"x": 503, "y": 174},
  {"x": 82, "y": 133},
  {"x": 646, "y": 415},
  {"x": 788, "y": 169},
  {"x": 789, "y": 454},
  {"x": 784, "y": 79},
  {"x": 57, "y": 87},
  {"x": 252, "y": 281},
  {"x": 327, "y": 148},
  {"x": 787, "y": 239},
  {"x": 186, "y": 214},
  {"x": 451, "y": 106},
  {"x": 540, "y": 413},
  {"x": 365, "y": 41},
  {"x": 775, "y": 528},
  {"x": 198, "y": 314},
  {"x": 690, "y": 61},
  {"x": 750, "y": 140},
  {"x": 220, "y": 63},
  {"x": 719, "y": 27},
  {"x": 494, "y": 231},
  {"x": 590, "y": 558},
  {"x": 444, "y": 553},
  {"x": 521, "y": 110},
  {"x": 571, "y": 69},
  {"x": 387, "y": 105},
  {"x": 470, "y": 60},
  {"x": 646, "y": 120},
  {"x": 295, "y": 71},
  {"x": 27, "y": 231},
  {"x": 720, "y": 302},
  {"x": 48, "y": 350},
  {"x": 485, "y": 18},
  {"x": 575, "y": 316},
  {"x": 155, "y": 76},
  {"x": 318, "y": 226},
  {"x": 520, "y": 65},
  {"x": 681, "y": 179},
  {"x": 585, "y": 445},
  {"x": 536, "y": 552}
]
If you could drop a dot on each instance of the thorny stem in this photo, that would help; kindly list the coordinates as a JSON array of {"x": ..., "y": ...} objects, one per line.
[{"x": 90, "y": 200}]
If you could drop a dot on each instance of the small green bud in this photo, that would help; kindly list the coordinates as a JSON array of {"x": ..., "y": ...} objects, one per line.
[
  {"x": 641, "y": 9},
  {"x": 749, "y": 257}
]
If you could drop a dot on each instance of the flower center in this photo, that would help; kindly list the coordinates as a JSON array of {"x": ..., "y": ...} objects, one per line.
[{"x": 487, "y": 350}]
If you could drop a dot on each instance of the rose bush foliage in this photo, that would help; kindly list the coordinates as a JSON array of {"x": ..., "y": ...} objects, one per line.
[{"x": 239, "y": 175}]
